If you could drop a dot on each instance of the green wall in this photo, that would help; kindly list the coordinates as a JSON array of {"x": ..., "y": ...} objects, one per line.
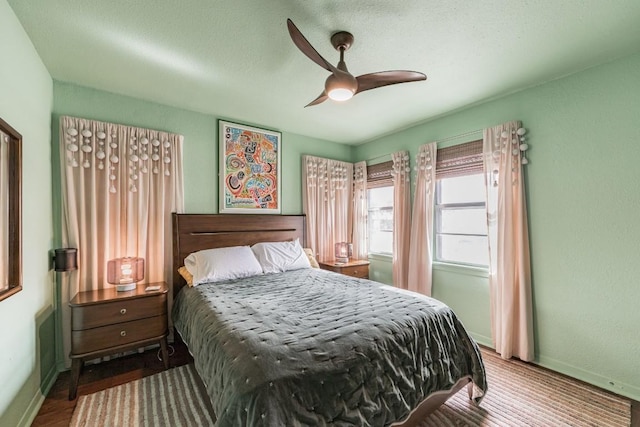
[
  {"x": 584, "y": 199},
  {"x": 200, "y": 149},
  {"x": 27, "y": 364}
]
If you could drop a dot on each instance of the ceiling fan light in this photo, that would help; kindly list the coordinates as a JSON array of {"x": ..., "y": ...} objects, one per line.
[
  {"x": 340, "y": 94},
  {"x": 340, "y": 86}
]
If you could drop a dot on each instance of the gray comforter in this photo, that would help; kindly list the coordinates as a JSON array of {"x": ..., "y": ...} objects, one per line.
[{"x": 311, "y": 347}]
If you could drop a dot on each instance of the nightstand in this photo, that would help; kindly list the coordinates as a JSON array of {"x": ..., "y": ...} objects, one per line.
[
  {"x": 353, "y": 268},
  {"x": 105, "y": 322}
]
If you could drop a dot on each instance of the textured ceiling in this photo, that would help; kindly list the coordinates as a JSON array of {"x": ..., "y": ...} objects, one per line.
[{"x": 234, "y": 58}]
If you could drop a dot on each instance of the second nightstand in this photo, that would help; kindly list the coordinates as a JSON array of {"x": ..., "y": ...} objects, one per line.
[
  {"x": 353, "y": 268},
  {"x": 105, "y": 322}
]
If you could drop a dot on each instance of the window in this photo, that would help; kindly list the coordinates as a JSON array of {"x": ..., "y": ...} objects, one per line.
[
  {"x": 380, "y": 220},
  {"x": 380, "y": 208},
  {"x": 460, "y": 212}
]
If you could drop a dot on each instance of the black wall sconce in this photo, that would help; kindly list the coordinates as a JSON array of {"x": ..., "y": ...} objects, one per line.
[{"x": 65, "y": 259}]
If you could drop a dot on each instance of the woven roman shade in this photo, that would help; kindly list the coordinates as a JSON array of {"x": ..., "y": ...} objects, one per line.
[
  {"x": 379, "y": 175},
  {"x": 458, "y": 160}
]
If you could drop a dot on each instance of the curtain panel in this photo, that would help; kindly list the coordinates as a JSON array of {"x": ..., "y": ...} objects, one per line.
[
  {"x": 327, "y": 202},
  {"x": 360, "y": 211},
  {"x": 120, "y": 185},
  {"x": 401, "y": 174},
  {"x": 421, "y": 242},
  {"x": 509, "y": 269}
]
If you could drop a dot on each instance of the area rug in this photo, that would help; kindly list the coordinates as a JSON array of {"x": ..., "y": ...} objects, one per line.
[
  {"x": 519, "y": 394},
  {"x": 172, "y": 398}
]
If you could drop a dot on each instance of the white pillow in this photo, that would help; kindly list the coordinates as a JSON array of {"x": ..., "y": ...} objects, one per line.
[
  {"x": 214, "y": 265},
  {"x": 275, "y": 257}
]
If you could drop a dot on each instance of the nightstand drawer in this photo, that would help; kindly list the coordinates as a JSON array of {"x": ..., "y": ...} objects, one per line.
[
  {"x": 361, "y": 271},
  {"x": 90, "y": 340},
  {"x": 354, "y": 268},
  {"x": 93, "y": 316}
]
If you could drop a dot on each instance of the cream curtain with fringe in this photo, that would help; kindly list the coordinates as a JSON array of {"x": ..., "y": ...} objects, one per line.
[
  {"x": 360, "y": 211},
  {"x": 327, "y": 187},
  {"x": 509, "y": 269},
  {"x": 401, "y": 175},
  {"x": 421, "y": 252},
  {"x": 120, "y": 185}
]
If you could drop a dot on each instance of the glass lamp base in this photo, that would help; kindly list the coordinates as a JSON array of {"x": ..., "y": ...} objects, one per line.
[{"x": 126, "y": 287}]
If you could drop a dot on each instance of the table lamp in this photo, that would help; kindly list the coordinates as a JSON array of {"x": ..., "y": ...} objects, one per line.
[{"x": 125, "y": 272}]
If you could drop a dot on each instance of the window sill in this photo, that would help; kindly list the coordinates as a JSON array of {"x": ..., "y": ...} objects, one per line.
[
  {"x": 461, "y": 269},
  {"x": 381, "y": 257}
]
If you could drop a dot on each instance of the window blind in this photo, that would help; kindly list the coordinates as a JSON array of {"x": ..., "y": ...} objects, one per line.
[
  {"x": 458, "y": 160},
  {"x": 379, "y": 175}
]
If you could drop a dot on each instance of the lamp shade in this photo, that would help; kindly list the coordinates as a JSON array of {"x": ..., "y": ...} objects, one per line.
[
  {"x": 65, "y": 259},
  {"x": 125, "y": 272},
  {"x": 343, "y": 251}
]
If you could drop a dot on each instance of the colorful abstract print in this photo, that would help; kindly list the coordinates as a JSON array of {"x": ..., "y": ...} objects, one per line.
[{"x": 251, "y": 166}]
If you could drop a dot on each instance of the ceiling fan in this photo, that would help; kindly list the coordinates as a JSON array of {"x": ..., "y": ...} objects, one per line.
[{"x": 342, "y": 85}]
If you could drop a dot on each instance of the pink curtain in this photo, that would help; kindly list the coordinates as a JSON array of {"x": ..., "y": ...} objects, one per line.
[
  {"x": 420, "y": 252},
  {"x": 401, "y": 218},
  {"x": 120, "y": 185},
  {"x": 360, "y": 211},
  {"x": 327, "y": 202},
  {"x": 509, "y": 270}
]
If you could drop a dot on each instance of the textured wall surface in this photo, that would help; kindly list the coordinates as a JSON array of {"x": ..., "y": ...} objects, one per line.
[
  {"x": 583, "y": 204},
  {"x": 27, "y": 366},
  {"x": 200, "y": 149}
]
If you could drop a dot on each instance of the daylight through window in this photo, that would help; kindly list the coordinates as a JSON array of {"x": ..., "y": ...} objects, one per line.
[
  {"x": 461, "y": 221},
  {"x": 380, "y": 220}
]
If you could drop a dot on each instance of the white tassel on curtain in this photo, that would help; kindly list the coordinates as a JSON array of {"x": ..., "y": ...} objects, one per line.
[
  {"x": 120, "y": 185},
  {"x": 401, "y": 218},
  {"x": 509, "y": 271},
  {"x": 360, "y": 211},
  {"x": 420, "y": 252},
  {"x": 327, "y": 202}
]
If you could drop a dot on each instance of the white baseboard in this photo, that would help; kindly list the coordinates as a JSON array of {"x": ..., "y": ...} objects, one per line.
[
  {"x": 481, "y": 339},
  {"x": 612, "y": 385}
]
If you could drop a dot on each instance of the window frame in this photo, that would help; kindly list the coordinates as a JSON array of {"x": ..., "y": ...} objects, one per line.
[
  {"x": 369, "y": 210},
  {"x": 456, "y": 161},
  {"x": 437, "y": 223}
]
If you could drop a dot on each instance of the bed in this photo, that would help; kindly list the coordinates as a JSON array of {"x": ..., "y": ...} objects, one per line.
[{"x": 313, "y": 347}]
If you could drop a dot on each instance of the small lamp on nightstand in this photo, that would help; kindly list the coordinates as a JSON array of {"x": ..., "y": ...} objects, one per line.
[
  {"x": 344, "y": 251},
  {"x": 125, "y": 272}
]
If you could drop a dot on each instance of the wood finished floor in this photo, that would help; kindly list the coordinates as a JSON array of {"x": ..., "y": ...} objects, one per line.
[{"x": 57, "y": 409}]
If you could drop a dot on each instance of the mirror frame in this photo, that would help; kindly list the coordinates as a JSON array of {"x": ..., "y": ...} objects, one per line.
[{"x": 15, "y": 211}]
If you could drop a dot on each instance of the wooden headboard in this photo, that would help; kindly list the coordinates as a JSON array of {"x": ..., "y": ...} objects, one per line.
[{"x": 194, "y": 232}]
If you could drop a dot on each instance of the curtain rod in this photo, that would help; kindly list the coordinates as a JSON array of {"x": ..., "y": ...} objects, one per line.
[
  {"x": 462, "y": 135},
  {"x": 382, "y": 157},
  {"x": 450, "y": 138}
]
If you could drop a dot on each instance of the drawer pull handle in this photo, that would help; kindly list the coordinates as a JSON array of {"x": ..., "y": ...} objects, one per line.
[
  {"x": 123, "y": 333},
  {"x": 123, "y": 311}
]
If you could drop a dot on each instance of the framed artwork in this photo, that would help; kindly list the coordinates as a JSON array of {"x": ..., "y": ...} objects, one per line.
[{"x": 249, "y": 169}]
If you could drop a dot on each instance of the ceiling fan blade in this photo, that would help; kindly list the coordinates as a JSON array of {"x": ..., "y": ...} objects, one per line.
[
  {"x": 385, "y": 78},
  {"x": 320, "y": 99},
  {"x": 306, "y": 48}
]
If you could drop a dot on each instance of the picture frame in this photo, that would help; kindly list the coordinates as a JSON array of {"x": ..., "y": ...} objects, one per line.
[{"x": 250, "y": 169}]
